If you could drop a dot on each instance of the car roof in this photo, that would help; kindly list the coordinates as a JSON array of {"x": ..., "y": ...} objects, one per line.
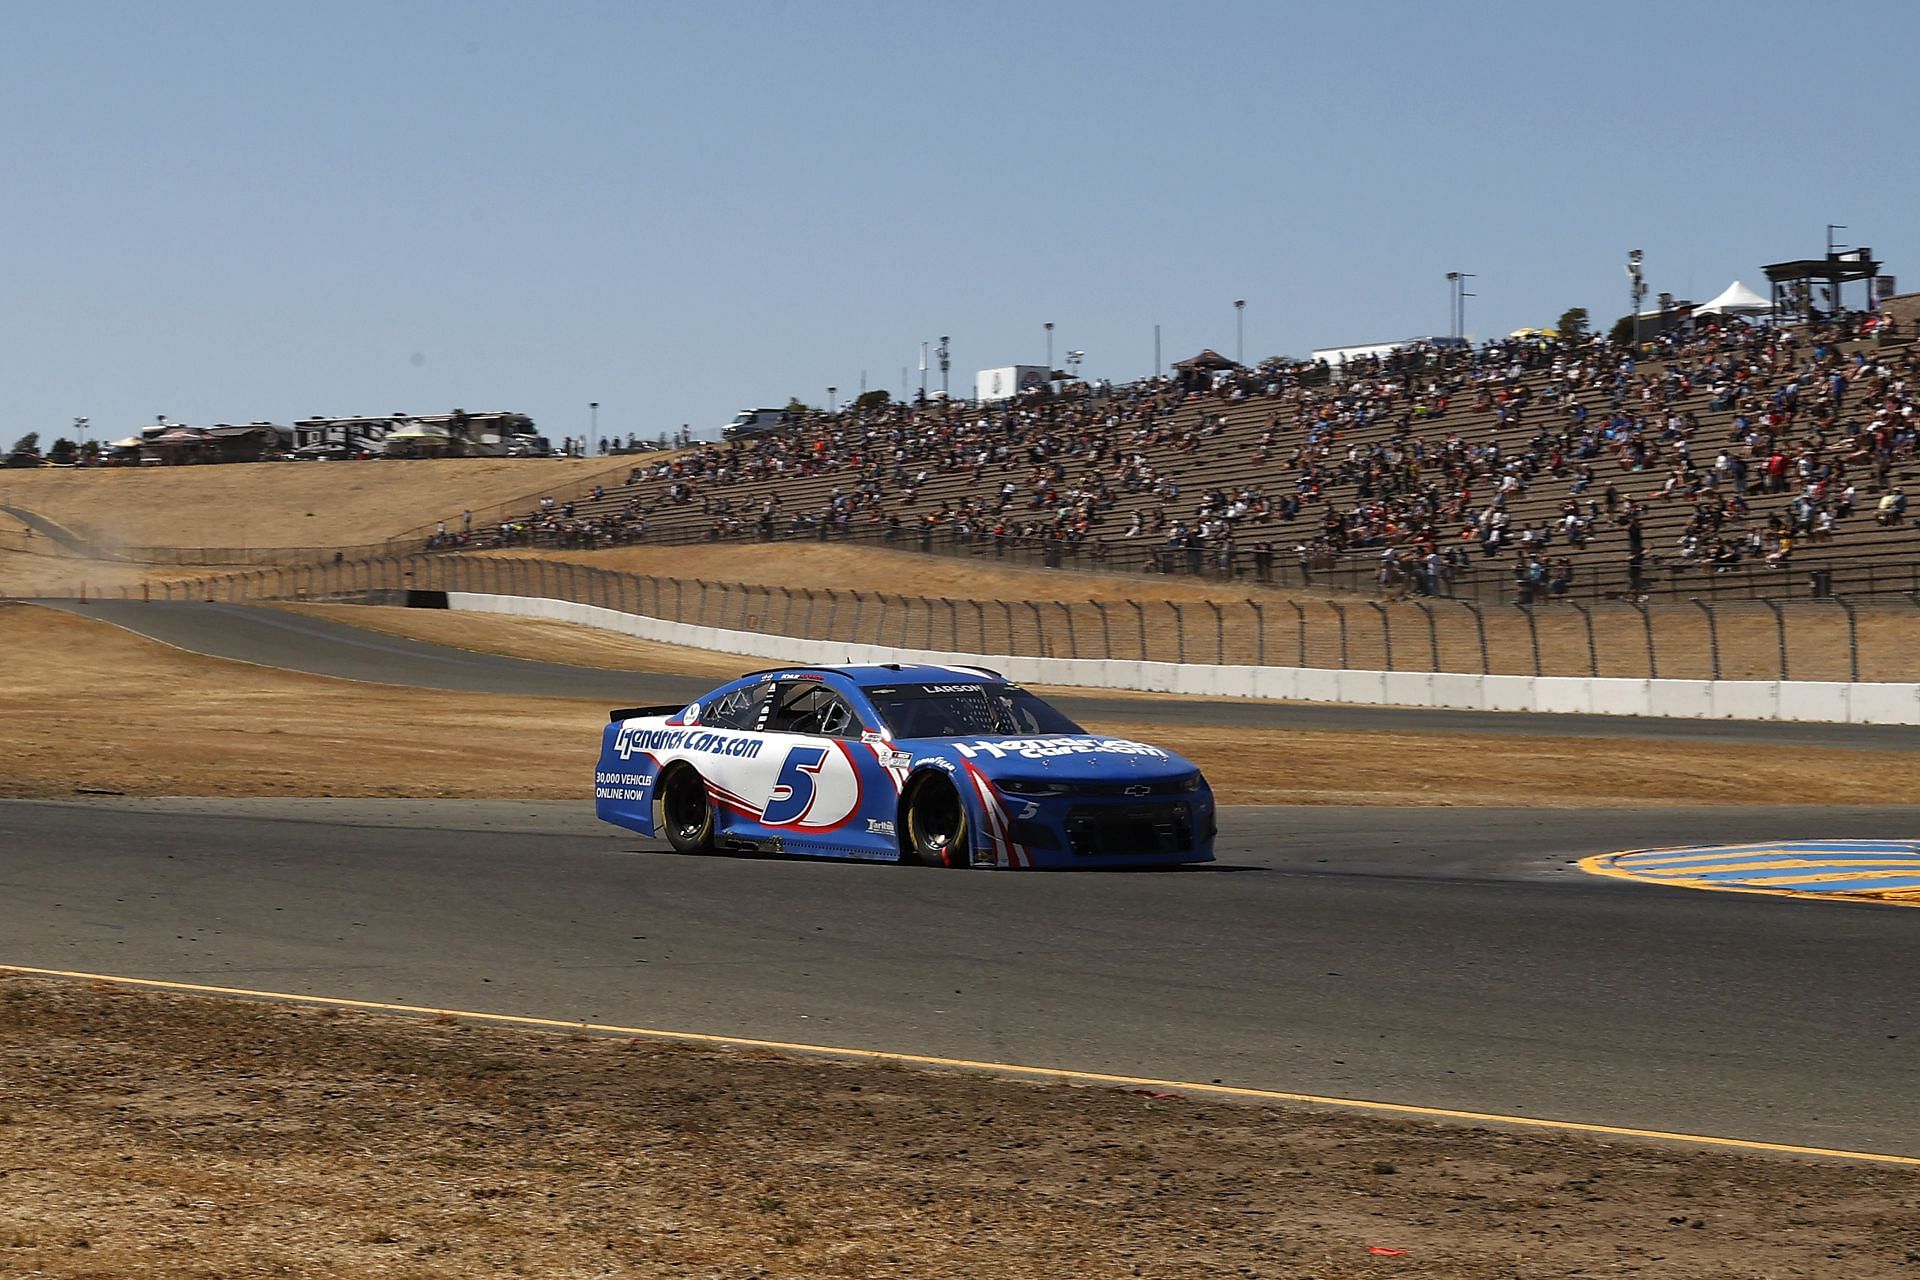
[{"x": 866, "y": 675}]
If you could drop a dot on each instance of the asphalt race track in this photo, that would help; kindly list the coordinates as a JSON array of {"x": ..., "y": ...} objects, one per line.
[{"x": 1441, "y": 957}]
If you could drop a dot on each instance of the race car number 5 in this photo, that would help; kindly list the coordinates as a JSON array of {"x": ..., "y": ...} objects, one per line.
[{"x": 793, "y": 790}]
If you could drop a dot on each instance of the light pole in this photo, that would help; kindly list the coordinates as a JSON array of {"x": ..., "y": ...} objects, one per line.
[
  {"x": 1833, "y": 292},
  {"x": 1048, "y": 326},
  {"x": 1239, "y": 330},
  {"x": 1636, "y": 290},
  {"x": 1073, "y": 361},
  {"x": 1458, "y": 281},
  {"x": 832, "y": 402},
  {"x": 593, "y": 437},
  {"x": 80, "y": 431},
  {"x": 945, "y": 360}
]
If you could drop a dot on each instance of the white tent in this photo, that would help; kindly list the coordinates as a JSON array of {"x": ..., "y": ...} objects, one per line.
[{"x": 1735, "y": 300}]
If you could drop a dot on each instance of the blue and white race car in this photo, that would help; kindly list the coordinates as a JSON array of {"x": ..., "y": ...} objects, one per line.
[{"x": 948, "y": 766}]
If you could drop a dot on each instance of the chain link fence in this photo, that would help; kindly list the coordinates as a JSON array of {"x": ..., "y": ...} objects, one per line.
[{"x": 1835, "y": 638}]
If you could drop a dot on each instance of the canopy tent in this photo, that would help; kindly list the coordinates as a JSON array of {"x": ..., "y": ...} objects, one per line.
[
  {"x": 1209, "y": 361},
  {"x": 1735, "y": 300}
]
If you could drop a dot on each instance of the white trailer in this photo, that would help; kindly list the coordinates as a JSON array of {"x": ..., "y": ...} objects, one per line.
[{"x": 1008, "y": 382}]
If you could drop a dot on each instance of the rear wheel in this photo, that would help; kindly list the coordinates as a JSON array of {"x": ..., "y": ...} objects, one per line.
[
  {"x": 686, "y": 812},
  {"x": 937, "y": 825}
]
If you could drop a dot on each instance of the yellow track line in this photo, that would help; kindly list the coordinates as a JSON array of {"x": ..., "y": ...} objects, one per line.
[{"x": 1001, "y": 1068}]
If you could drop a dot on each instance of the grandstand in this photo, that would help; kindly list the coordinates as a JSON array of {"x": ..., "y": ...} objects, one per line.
[{"x": 1735, "y": 460}]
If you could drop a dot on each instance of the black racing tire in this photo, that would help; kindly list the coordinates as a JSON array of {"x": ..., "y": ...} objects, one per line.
[
  {"x": 686, "y": 811},
  {"x": 936, "y": 825}
]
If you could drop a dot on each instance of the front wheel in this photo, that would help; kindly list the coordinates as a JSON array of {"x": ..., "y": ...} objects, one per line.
[
  {"x": 937, "y": 825},
  {"x": 686, "y": 812}
]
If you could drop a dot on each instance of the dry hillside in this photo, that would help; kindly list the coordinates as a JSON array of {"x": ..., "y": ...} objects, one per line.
[{"x": 308, "y": 504}]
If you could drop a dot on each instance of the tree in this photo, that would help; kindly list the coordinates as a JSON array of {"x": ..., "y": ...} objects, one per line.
[
  {"x": 871, "y": 400},
  {"x": 28, "y": 444},
  {"x": 1622, "y": 334},
  {"x": 1573, "y": 323},
  {"x": 62, "y": 451}
]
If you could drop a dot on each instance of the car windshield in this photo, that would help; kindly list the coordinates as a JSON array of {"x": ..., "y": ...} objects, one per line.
[{"x": 962, "y": 710}]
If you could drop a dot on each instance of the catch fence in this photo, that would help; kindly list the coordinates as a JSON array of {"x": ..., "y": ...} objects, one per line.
[{"x": 1832, "y": 638}]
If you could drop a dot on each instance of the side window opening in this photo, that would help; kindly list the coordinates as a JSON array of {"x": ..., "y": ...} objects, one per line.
[
  {"x": 736, "y": 710},
  {"x": 812, "y": 708}
]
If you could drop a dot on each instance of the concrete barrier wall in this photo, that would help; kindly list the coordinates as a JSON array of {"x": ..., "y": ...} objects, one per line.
[{"x": 1689, "y": 699}]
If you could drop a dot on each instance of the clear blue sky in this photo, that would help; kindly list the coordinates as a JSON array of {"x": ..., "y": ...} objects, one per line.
[{"x": 226, "y": 212}]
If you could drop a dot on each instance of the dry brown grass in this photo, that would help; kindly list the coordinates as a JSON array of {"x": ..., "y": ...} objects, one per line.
[
  {"x": 533, "y": 638},
  {"x": 308, "y": 504},
  {"x": 179, "y": 723},
  {"x": 844, "y": 567}
]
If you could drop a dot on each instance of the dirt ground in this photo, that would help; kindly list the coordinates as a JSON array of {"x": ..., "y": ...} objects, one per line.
[
  {"x": 288, "y": 504},
  {"x": 167, "y": 1135},
  {"x": 182, "y": 724}
]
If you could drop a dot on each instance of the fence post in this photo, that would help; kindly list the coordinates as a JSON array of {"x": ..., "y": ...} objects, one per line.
[
  {"x": 1259, "y": 633},
  {"x": 1106, "y": 633},
  {"x": 1533, "y": 637},
  {"x": 1480, "y": 626},
  {"x": 859, "y": 606},
  {"x": 1853, "y": 639},
  {"x": 1386, "y": 631},
  {"x": 1713, "y": 634},
  {"x": 1653, "y": 657},
  {"x": 1433, "y": 631},
  {"x": 1593, "y": 652},
  {"x": 953, "y": 626},
  {"x": 833, "y": 614},
  {"x": 1780, "y": 628},
  {"x": 1179, "y": 631},
  {"x": 1073, "y": 635},
  {"x": 1140, "y": 616},
  {"x": 1039, "y": 631},
  {"x": 1341, "y": 613},
  {"x": 1300, "y": 616},
  {"x": 1006, "y": 609},
  {"x": 1219, "y": 633},
  {"x": 980, "y": 624}
]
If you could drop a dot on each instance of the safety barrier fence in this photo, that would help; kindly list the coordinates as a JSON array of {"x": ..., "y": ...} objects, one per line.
[
  {"x": 1832, "y": 639},
  {"x": 1829, "y": 701}
]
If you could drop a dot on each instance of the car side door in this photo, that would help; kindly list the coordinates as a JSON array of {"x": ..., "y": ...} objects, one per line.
[{"x": 829, "y": 795}]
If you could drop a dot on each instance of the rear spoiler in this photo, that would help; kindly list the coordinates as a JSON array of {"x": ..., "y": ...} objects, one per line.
[{"x": 634, "y": 713}]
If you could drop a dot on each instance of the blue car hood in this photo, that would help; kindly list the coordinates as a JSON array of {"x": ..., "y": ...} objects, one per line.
[{"x": 1062, "y": 757}]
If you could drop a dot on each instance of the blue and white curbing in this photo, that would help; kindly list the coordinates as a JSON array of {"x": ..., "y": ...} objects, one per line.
[{"x": 1807, "y": 700}]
